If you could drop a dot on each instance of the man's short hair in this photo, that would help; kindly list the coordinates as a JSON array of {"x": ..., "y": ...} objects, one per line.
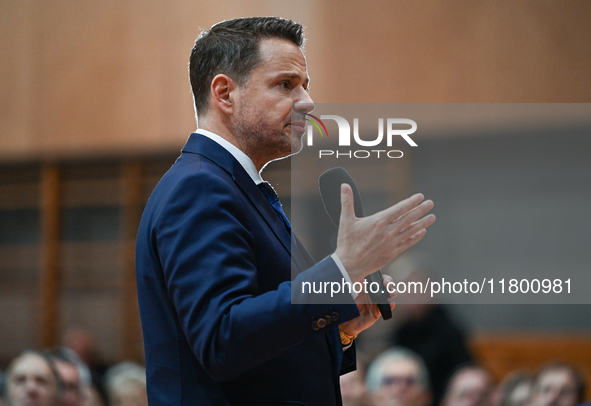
[
  {"x": 231, "y": 48},
  {"x": 68, "y": 355},
  {"x": 376, "y": 369},
  {"x": 577, "y": 377}
]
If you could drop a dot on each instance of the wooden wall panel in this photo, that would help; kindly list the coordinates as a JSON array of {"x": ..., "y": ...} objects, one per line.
[
  {"x": 16, "y": 75},
  {"x": 101, "y": 76},
  {"x": 87, "y": 78},
  {"x": 456, "y": 51}
]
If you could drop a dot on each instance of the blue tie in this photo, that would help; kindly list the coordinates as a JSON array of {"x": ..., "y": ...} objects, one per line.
[{"x": 271, "y": 196}]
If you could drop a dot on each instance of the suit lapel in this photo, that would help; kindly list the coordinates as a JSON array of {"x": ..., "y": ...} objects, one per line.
[
  {"x": 263, "y": 206},
  {"x": 210, "y": 149}
]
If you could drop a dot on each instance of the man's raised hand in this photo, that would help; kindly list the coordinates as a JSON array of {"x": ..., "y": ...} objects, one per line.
[{"x": 366, "y": 244}]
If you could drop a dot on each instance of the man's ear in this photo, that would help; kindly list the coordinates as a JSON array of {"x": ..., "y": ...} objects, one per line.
[{"x": 223, "y": 93}]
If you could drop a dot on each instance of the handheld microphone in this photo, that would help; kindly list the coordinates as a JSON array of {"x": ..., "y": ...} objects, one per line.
[{"x": 330, "y": 192}]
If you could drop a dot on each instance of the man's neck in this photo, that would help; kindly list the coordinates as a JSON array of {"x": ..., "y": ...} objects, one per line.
[
  {"x": 223, "y": 130},
  {"x": 240, "y": 156},
  {"x": 216, "y": 127}
]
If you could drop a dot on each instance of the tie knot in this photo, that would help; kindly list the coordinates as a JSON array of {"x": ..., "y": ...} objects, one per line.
[{"x": 268, "y": 192}]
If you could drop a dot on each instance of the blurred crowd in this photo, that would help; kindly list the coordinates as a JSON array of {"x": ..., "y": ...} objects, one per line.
[
  {"x": 71, "y": 376},
  {"x": 399, "y": 377},
  {"x": 423, "y": 359},
  {"x": 420, "y": 358}
]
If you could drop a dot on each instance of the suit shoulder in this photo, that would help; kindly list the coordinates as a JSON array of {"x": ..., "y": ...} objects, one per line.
[
  {"x": 194, "y": 168},
  {"x": 193, "y": 182}
]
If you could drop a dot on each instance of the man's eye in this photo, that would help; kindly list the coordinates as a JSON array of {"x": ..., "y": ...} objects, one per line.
[{"x": 284, "y": 84}]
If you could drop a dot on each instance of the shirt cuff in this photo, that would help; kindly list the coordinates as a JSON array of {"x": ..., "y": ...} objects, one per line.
[{"x": 346, "y": 276}]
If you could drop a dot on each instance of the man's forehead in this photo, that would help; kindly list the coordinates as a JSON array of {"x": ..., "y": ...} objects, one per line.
[
  {"x": 31, "y": 363},
  {"x": 282, "y": 56},
  {"x": 556, "y": 375},
  {"x": 402, "y": 365}
]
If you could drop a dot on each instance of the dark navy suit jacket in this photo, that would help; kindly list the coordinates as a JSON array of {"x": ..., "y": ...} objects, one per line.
[{"x": 214, "y": 277}]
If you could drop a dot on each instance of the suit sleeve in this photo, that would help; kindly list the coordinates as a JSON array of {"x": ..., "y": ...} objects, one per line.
[{"x": 205, "y": 243}]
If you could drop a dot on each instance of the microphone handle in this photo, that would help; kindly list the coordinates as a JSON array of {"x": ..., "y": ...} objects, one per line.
[{"x": 381, "y": 296}]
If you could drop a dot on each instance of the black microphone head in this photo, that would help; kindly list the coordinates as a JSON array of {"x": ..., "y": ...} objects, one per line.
[{"x": 330, "y": 192}]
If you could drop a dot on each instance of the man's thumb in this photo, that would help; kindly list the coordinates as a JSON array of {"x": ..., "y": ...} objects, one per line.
[{"x": 347, "y": 203}]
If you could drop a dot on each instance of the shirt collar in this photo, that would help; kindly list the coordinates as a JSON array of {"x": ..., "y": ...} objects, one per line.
[{"x": 240, "y": 156}]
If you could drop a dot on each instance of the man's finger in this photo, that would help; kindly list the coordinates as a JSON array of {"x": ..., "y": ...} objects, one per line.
[
  {"x": 402, "y": 207},
  {"x": 347, "y": 202},
  {"x": 415, "y": 213},
  {"x": 409, "y": 242},
  {"x": 415, "y": 227}
]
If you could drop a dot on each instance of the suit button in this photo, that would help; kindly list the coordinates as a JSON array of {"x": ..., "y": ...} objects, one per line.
[
  {"x": 328, "y": 320},
  {"x": 321, "y": 323},
  {"x": 315, "y": 325},
  {"x": 335, "y": 316}
]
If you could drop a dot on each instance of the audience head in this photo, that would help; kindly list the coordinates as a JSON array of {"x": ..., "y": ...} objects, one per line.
[
  {"x": 514, "y": 390},
  {"x": 558, "y": 384},
  {"x": 398, "y": 377},
  {"x": 125, "y": 384},
  {"x": 70, "y": 370},
  {"x": 353, "y": 388},
  {"x": 469, "y": 386},
  {"x": 32, "y": 380}
]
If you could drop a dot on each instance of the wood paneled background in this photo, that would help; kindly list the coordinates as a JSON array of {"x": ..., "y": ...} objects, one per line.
[
  {"x": 97, "y": 80},
  {"x": 88, "y": 77}
]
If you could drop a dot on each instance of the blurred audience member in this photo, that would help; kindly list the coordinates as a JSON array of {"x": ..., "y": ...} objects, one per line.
[
  {"x": 398, "y": 377},
  {"x": 427, "y": 328},
  {"x": 68, "y": 366},
  {"x": 558, "y": 384},
  {"x": 469, "y": 386},
  {"x": 93, "y": 397},
  {"x": 32, "y": 380},
  {"x": 126, "y": 385},
  {"x": 353, "y": 388},
  {"x": 515, "y": 389},
  {"x": 81, "y": 341}
]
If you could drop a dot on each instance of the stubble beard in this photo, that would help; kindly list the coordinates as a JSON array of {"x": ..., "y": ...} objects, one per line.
[{"x": 258, "y": 138}]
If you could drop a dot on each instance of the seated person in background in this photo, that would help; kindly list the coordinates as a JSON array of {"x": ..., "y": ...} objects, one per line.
[
  {"x": 514, "y": 390},
  {"x": 125, "y": 384},
  {"x": 353, "y": 388},
  {"x": 67, "y": 369},
  {"x": 469, "y": 386},
  {"x": 32, "y": 380},
  {"x": 398, "y": 377},
  {"x": 428, "y": 328},
  {"x": 557, "y": 384}
]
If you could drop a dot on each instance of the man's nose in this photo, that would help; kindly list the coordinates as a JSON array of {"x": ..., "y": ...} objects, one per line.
[
  {"x": 31, "y": 387},
  {"x": 304, "y": 103}
]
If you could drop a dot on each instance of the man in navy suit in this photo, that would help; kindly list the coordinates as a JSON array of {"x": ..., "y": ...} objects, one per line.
[{"x": 215, "y": 253}]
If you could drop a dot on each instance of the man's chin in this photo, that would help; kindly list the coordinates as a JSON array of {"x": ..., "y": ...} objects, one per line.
[{"x": 297, "y": 143}]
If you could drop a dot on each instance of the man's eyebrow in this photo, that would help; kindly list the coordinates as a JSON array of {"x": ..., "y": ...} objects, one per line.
[{"x": 292, "y": 75}]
